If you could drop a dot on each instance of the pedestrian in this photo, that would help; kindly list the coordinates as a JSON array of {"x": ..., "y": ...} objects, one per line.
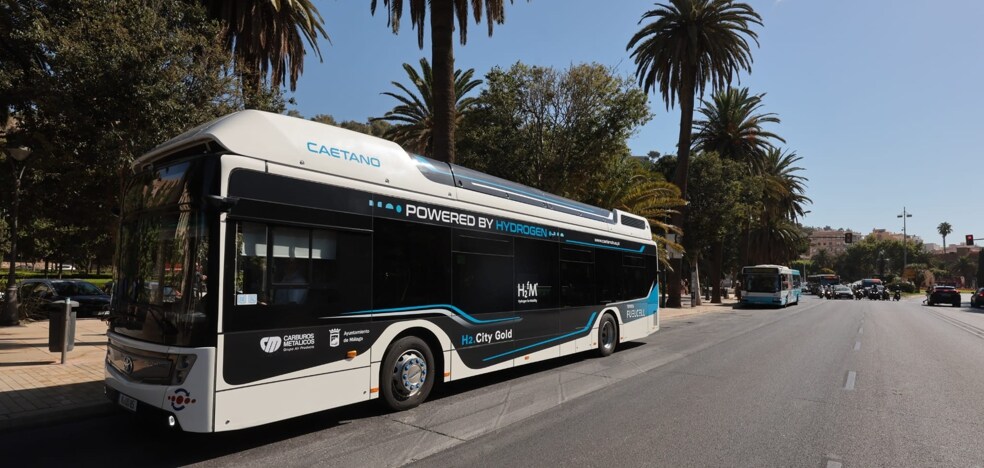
[{"x": 738, "y": 290}]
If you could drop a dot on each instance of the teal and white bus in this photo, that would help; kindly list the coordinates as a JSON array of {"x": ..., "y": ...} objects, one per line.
[
  {"x": 774, "y": 285},
  {"x": 270, "y": 267}
]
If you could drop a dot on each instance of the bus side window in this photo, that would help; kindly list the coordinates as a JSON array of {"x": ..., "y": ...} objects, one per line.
[
  {"x": 635, "y": 278},
  {"x": 251, "y": 261},
  {"x": 577, "y": 281},
  {"x": 291, "y": 257}
]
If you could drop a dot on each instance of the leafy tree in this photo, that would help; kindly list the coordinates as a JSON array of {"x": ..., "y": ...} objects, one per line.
[
  {"x": 443, "y": 14},
  {"x": 563, "y": 132},
  {"x": 822, "y": 259},
  {"x": 267, "y": 37},
  {"x": 944, "y": 229},
  {"x": 964, "y": 267},
  {"x": 712, "y": 212},
  {"x": 688, "y": 44},
  {"x": 980, "y": 268},
  {"x": 373, "y": 128},
  {"x": 101, "y": 86},
  {"x": 414, "y": 116}
]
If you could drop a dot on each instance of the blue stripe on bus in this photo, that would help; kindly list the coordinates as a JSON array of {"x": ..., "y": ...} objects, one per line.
[
  {"x": 603, "y": 246},
  {"x": 524, "y": 348},
  {"x": 450, "y": 307}
]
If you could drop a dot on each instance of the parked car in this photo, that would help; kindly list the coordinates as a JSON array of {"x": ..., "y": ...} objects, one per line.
[
  {"x": 977, "y": 299},
  {"x": 842, "y": 292},
  {"x": 37, "y": 296},
  {"x": 943, "y": 295}
]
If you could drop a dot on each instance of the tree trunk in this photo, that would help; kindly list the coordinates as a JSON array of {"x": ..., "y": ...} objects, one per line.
[
  {"x": 442, "y": 30},
  {"x": 717, "y": 260},
  {"x": 682, "y": 170}
]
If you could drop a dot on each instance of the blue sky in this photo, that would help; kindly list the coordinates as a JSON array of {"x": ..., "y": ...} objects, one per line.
[{"x": 882, "y": 98}]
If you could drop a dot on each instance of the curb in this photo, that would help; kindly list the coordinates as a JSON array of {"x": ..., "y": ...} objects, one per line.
[{"x": 49, "y": 416}]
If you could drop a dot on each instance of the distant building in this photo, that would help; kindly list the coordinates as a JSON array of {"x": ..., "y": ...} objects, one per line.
[
  {"x": 885, "y": 234},
  {"x": 830, "y": 240}
]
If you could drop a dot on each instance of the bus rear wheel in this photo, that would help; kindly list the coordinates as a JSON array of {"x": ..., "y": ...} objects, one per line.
[
  {"x": 607, "y": 335},
  {"x": 406, "y": 378}
]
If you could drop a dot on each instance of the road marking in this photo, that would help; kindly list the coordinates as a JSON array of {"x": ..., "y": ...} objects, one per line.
[
  {"x": 851, "y": 377},
  {"x": 861, "y": 330},
  {"x": 833, "y": 464},
  {"x": 857, "y": 346}
]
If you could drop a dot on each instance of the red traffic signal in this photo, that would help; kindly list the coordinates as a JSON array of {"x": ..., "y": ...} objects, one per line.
[
  {"x": 848, "y": 237},
  {"x": 970, "y": 239}
]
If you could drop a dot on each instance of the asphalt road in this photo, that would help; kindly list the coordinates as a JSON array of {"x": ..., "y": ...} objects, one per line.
[{"x": 826, "y": 383}]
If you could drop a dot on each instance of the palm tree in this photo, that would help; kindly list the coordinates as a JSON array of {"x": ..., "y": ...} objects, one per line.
[
  {"x": 944, "y": 229},
  {"x": 783, "y": 202},
  {"x": 443, "y": 14},
  {"x": 732, "y": 127},
  {"x": 414, "y": 117},
  {"x": 268, "y": 36},
  {"x": 691, "y": 43},
  {"x": 646, "y": 193}
]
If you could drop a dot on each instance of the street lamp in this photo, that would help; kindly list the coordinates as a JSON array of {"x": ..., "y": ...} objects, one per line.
[
  {"x": 905, "y": 248},
  {"x": 10, "y": 314}
]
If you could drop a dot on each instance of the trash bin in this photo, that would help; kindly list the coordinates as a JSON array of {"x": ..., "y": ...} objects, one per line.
[{"x": 56, "y": 327}]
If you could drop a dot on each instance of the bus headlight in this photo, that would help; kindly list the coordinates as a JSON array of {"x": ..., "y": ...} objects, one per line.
[{"x": 182, "y": 367}]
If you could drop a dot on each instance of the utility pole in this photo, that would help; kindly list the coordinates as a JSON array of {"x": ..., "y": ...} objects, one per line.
[{"x": 905, "y": 246}]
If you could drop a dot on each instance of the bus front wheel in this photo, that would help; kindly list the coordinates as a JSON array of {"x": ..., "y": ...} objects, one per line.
[
  {"x": 607, "y": 335},
  {"x": 406, "y": 377}
]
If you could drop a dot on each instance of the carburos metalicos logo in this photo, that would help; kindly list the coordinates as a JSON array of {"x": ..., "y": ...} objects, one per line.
[
  {"x": 287, "y": 343},
  {"x": 270, "y": 344}
]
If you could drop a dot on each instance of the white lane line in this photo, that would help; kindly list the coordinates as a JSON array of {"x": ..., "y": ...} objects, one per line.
[
  {"x": 861, "y": 330},
  {"x": 833, "y": 464},
  {"x": 857, "y": 346},
  {"x": 851, "y": 377}
]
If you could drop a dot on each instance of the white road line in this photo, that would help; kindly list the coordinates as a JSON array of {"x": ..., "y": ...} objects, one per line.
[
  {"x": 833, "y": 464},
  {"x": 851, "y": 377},
  {"x": 861, "y": 330},
  {"x": 857, "y": 346}
]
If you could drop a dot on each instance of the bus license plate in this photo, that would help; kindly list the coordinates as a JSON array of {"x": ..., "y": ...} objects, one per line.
[{"x": 127, "y": 402}]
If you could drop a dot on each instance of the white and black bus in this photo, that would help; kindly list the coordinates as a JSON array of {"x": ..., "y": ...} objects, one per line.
[{"x": 270, "y": 267}]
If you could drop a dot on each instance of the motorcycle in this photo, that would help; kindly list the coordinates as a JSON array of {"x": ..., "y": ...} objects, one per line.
[
  {"x": 858, "y": 294},
  {"x": 829, "y": 293},
  {"x": 874, "y": 294},
  {"x": 897, "y": 296},
  {"x": 885, "y": 294}
]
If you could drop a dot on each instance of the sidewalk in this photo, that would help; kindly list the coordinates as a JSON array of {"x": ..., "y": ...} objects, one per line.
[
  {"x": 666, "y": 313},
  {"x": 35, "y": 389}
]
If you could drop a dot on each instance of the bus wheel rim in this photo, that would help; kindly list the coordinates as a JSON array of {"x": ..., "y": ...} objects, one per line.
[
  {"x": 409, "y": 373},
  {"x": 608, "y": 334}
]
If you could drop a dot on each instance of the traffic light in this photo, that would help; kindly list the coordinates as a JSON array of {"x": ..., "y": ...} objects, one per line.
[
  {"x": 848, "y": 237},
  {"x": 970, "y": 239}
]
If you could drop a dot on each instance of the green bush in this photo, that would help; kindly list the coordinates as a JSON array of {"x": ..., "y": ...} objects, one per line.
[{"x": 905, "y": 287}]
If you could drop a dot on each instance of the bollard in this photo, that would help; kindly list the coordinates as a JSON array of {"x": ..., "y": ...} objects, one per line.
[
  {"x": 68, "y": 319},
  {"x": 61, "y": 330}
]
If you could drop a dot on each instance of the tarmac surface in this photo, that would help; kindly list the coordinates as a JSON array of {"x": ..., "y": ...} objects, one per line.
[{"x": 37, "y": 390}]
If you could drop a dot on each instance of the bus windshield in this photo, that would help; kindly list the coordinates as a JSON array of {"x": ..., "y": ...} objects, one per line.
[
  {"x": 160, "y": 288},
  {"x": 762, "y": 282}
]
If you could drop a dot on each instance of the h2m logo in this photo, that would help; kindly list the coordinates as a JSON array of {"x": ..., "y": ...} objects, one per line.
[{"x": 526, "y": 293}]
